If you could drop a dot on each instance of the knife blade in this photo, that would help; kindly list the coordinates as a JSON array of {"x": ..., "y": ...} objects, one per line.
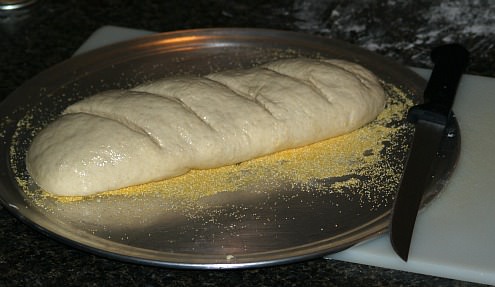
[{"x": 430, "y": 120}]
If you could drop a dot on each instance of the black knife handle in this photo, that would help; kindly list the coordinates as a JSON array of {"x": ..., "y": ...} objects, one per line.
[{"x": 450, "y": 62}]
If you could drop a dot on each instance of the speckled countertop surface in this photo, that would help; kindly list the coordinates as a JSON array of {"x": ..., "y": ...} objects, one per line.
[{"x": 51, "y": 31}]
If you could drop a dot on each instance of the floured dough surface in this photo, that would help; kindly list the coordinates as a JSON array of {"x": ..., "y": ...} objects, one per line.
[{"x": 165, "y": 128}]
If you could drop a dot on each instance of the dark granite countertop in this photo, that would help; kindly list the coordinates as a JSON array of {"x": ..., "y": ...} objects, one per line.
[{"x": 49, "y": 32}]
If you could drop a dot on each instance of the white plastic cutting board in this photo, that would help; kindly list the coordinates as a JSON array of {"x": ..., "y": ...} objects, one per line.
[{"x": 454, "y": 236}]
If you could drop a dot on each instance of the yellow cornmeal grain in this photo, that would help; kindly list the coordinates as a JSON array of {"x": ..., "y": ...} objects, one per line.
[{"x": 359, "y": 153}]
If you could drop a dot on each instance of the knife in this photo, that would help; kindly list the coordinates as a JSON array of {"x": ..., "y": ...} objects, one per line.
[{"x": 430, "y": 120}]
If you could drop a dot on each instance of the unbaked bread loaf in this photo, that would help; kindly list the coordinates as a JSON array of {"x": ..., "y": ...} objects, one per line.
[{"x": 165, "y": 128}]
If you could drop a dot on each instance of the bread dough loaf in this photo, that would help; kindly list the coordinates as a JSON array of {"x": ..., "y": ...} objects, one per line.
[{"x": 165, "y": 128}]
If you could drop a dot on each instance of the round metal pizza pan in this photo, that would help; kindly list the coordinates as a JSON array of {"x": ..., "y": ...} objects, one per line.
[{"x": 240, "y": 229}]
